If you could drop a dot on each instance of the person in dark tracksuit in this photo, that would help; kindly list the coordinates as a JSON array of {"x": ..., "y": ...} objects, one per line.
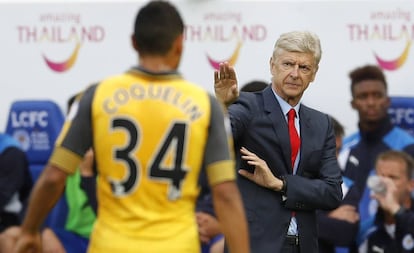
[{"x": 394, "y": 222}]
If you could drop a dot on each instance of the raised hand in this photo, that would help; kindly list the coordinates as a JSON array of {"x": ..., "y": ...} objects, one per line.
[{"x": 225, "y": 84}]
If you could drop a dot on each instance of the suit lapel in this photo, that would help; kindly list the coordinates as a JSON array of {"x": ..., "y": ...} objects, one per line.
[
  {"x": 305, "y": 135},
  {"x": 279, "y": 125}
]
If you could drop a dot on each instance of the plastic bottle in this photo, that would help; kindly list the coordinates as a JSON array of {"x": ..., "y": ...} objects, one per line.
[{"x": 376, "y": 184}]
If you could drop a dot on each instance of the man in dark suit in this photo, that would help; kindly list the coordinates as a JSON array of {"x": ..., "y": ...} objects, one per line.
[{"x": 281, "y": 191}]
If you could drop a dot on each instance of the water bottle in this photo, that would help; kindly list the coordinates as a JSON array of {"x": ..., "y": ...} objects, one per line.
[{"x": 376, "y": 185}]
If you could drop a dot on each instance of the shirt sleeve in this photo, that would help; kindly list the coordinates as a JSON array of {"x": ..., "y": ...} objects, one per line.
[
  {"x": 76, "y": 135},
  {"x": 219, "y": 154}
]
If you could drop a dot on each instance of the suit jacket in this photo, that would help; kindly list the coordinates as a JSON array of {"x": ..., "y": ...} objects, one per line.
[{"x": 259, "y": 125}]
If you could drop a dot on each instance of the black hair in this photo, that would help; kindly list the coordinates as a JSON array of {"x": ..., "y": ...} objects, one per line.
[
  {"x": 254, "y": 86},
  {"x": 157, "y": 25},
  {"x": 367, "y": 72}
]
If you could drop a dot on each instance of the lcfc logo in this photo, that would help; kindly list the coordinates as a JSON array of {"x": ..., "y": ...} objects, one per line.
[{"x": 63, "y": 30}]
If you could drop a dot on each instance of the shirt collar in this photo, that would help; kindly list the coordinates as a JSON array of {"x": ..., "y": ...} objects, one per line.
[{"x": 285, "y": 106}]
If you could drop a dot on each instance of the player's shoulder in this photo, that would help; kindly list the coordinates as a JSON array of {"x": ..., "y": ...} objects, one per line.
[{"x": 113, "y": 78}]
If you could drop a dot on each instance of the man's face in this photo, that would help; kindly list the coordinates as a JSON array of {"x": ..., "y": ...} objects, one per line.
[
  {"x": 371, "y": 101},
  {"x": 396, "y": 170},
  {"x": 292, "y": 72}
]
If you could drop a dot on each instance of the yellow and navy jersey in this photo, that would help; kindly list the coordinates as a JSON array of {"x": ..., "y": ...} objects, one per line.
[{"x": 152, "y": 135}]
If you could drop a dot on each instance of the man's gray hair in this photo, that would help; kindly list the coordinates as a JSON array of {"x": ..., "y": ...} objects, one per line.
[{"x": 299, "y": 41}]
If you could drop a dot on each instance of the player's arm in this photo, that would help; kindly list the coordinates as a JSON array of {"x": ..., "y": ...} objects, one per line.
[
  {"x": 221, "y": 177},
  {"x": 48, "y": 189},
  {"x": 230, "y": 213},
  {"x": 46, "y": 192}
]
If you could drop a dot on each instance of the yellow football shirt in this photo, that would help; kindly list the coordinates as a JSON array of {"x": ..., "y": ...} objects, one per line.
[{"x": 152, "y": 135}]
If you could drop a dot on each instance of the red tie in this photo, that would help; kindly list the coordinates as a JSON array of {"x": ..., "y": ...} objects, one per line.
[{"x": 294, "y": 137}]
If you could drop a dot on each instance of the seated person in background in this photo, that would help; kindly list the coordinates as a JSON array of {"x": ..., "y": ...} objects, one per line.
[
  {"x": 254, "y": 86},
  {"x": 15, "y": 181},
  {"x": 339, "y": 227},
  {"x": 211, "y": 237},
  {"x": 212, "y": 240},
  {"x": 394, "y": 222},
  {"x": 81, "y": 216}
]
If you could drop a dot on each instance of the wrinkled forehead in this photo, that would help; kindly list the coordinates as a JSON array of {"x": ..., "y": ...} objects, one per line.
[{"x": 295, "y": 57}]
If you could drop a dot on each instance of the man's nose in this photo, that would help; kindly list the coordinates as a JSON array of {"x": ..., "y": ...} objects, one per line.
[{"x": 294, "y": 72}]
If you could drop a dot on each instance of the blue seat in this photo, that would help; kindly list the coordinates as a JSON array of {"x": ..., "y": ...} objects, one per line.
[
  {"x": 36, "y": 124},
  {"x": 402, "y": 112}
]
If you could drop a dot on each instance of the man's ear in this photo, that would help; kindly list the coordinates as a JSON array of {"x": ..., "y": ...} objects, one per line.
[
  {"x": 179, "y": 44},
  {"x": 134, "y": 42},
  {"x": 271, "y": 65},
  {"x": 353, "y": 104}
]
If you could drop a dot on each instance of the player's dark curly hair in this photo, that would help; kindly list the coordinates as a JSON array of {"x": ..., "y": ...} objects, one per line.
[{"x": 367, "y": 72}]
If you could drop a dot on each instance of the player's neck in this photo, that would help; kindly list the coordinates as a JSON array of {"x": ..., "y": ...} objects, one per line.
[{"x": 157, "y": 64}]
